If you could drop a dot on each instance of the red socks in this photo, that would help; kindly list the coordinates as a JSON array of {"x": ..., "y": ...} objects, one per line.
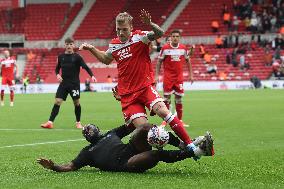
[
  {"x": 179, "y": 111},
  {"x": 178, "y": 128},
  {"x": 2, "y": 95},
  {"x": 12, "y": 96}
]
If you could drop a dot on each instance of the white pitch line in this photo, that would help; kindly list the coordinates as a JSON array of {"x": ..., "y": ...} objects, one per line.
[
  {"x": 40, "y": 143},
  {"x": 45, "y": 130},
  {"x": 39, "y": 129}
]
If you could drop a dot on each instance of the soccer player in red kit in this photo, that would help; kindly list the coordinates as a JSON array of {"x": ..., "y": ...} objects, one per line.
[
  {"x": 135, "y": 74},
  {"x": 8, "y": 65},
  {"x": 173, "y": 55}
]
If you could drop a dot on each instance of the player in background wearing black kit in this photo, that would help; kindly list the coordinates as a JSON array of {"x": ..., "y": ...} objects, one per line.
[
  {"x": 108, "y": 153},
  {"x": 69, "y": 62}
]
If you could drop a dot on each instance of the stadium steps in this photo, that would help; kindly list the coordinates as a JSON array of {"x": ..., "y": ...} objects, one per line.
[
  {"x": 99, "y": 19},
  {"x": 57, "y": 15},
  {"x": 77, "y": 21},
  {"x": 21, "y": 63},
  {"x": 159, "y": 10},
  {"x": 39, "y": 21},
  {"x": 173, "y": 16}
]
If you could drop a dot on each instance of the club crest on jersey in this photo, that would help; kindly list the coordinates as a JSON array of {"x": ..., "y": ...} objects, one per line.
[{"x": 124, "y": 53}]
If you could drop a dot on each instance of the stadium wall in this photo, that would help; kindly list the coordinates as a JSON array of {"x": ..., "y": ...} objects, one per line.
[{"x": 199, "y": 85}]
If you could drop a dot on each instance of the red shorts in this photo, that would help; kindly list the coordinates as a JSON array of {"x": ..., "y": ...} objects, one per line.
[
  {"x": 8, "y": 81},
  {"x": 173, "y": 88},
  {"x": 133, "y": 105}
]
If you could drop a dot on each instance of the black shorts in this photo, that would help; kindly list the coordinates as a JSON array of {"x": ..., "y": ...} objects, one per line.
[
  {"x": 125, "y": 155},
  {"x": 68, "y": 88},
  {"x": 118, "y": 162}
]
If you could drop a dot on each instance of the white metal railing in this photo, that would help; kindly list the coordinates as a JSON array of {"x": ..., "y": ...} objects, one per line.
[{"x": 16, "y": 38}]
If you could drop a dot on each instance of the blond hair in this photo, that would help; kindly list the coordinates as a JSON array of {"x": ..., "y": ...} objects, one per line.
[{"x": 123, "y": 17}]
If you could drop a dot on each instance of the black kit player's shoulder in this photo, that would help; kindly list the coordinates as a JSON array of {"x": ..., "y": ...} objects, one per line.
[{"x": 61, "y": 55}]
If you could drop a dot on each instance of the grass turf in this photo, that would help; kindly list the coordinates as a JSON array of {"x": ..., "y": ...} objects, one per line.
[{"x": 248, "y": 127}]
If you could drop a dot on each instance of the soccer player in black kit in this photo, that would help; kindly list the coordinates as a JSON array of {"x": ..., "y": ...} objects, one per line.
[
  {"x": 70, "y": 63},
  {"x": 108, "y": 153}
]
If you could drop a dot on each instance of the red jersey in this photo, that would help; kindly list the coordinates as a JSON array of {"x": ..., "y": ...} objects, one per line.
[
  {"x": 173, "y": 60},
  {"x": 8, "y": 65},
  {"x": 135, "y": 71}
]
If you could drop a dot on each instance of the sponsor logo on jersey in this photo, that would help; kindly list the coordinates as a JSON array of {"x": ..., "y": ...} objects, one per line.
[{"x": 124, "y": 53}]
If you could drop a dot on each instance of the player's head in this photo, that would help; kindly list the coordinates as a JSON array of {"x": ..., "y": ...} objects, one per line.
[
  {"x": 91, "y": 133},
  {"x": 175, "y": 36},
  {"x": 69, "y": 45},
  {"x": 7, "y": 53},
  {"x": 123, "y": 26},
  {"x": 168, "y": 39}
]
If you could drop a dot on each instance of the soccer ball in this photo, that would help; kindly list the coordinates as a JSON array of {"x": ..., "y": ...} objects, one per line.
[{"x": 158, "y": 137}]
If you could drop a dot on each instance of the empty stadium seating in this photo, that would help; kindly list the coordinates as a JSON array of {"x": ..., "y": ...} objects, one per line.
[
  {"x": 39, "y": 21},
  {"x": 100, "y": 21},
  {"x": 41, "y": 24},
  {"x": 159, "y": 11},
  {"x": 12, "y": 20}
]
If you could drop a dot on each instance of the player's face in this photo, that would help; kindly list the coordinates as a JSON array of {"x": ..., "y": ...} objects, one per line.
[
  {"x": 168, "y": 40},
  {"x": 6, "y": 53},
  {"x": 69, "y": 47},
  {"x": 175, "y": 38},
  {"x": 123, "y": 31}
]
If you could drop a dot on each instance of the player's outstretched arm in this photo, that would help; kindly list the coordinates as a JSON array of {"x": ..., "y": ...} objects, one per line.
[
  {"x": 100, "y": 55},
  {"x": 49, "y": 164},
  {"x": 157, "y": 32},
  {"x": 123, "y": 130},
  {"x": 57, "y": 69}
]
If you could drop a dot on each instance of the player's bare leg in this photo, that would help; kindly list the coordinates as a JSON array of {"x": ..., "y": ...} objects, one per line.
[
  {"x": 179, "y": 109},
  {"x": 54, "y": 112},
  {"x": 2, "y": 97},
  {"x": 12, "y": 95},
  {"x": 77, "y": 113},
  {"x": 137, "y": 122},
  {"x": 167, "y": 101}
]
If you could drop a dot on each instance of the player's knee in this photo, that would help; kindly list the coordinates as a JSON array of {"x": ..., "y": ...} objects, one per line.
[
  {"x": 161, "y": 109},
  {"x": 139, "y": 121},
  {"x": 178, "y": 100},
  {"x": 76, "y": 103},
  {"x": 167, "y": 99},
  {"x": 58, "y": 101}
]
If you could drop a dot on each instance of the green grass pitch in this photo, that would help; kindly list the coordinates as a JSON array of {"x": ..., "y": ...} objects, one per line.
[{"x": 248, "y": 127}]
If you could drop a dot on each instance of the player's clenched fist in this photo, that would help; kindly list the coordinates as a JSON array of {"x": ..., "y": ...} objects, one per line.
[
  {"x": 86, "y": 46},
  {"x": 94, "y": 79},
  {"x": 59, "y": 78}
]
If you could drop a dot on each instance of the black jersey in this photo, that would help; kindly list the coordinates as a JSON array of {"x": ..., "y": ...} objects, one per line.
[
  {"x": 109, "y": 153},
  {"x": 70, "y": 65}
]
